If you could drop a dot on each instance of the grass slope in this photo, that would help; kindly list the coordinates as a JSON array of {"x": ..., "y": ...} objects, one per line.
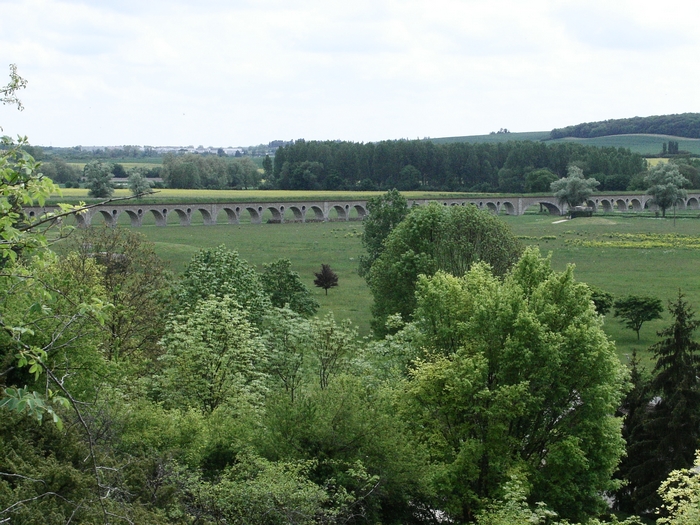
[
  {"x": 637, "y": 143},
  {"x": 496, "y": 137}
]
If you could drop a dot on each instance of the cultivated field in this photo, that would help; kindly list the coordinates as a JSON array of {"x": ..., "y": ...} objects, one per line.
[
  {"x": 495, "y": 138},
  {"x": 637, "y": 143},
  {"x": 623, "y": 255},
  {"x": 642, "y": 144},
  {"x": 147, "y": 162}
]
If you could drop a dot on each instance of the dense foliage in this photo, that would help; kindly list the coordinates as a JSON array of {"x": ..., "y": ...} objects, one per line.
[
  {"x": 285, "y": 288},
  {"x": 433, "y": 238},
  {"x": 679, "y": 125},
  {"x": 663, "y": 413},
  {"x": 665, "y": 184},
  {"x": 574, "y": 189},
  {"x": 416, "y": 164},
  {"x": 515, "y": 376},
  {"x": 210, "y": 172}
]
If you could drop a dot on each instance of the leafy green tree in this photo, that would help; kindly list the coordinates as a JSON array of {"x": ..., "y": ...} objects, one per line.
[
  {"x": 181, "y": 172},
  {"x": 136, "y": 283},
  {"x": 40, "y": 481},
  {"x": 219, "y": 272},
  {"x": 602, "y": 299},
  {"x": 212, "y": 356},
  {"x": 433, "y": 238},
  {"x": 409, "y": 178},
  {"x": 665, "y": 184},
  {"x": 539, "y": 181},
  {"x": 287, "y": 338},
  {"x": 60, "y": 171},
  {"x": 510, "y": 181},
  {"x": 138, "y": 184},
  {"x": 332, "y": 344},
  {"x": 98, "y": 178},
  {"x": 267, "y": 167},
  {"x": 118, "y": 171},
  {"x": 284, "y": 287},
  {"x": 574, "y": 189},
  {"x": 247, "y": 173},
  {"x": 255, "y": 491},
  {"x": 385, "y": 212},
  {"x": 51, "y": 319},
  {"x": 326, "y": 278},
  {"x": 513, "y": 508},
  {"x": 517, "y": 375},
  {"x": 349, "y": 429},
  {"x": 22, "y": 185},
  {"x": 635, "y": 310}
]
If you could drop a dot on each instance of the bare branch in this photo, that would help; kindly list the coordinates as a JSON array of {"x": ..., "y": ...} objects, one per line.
[
  {"x": 22, "y": 477},
  {"x": 29, "y": 500}
]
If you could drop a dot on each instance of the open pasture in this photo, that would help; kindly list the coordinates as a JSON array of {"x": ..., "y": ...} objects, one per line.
[
  {"x": 621, "y": 254},
  {"x": 624, "y": 255},
  {"x": 306, "y": 245}
]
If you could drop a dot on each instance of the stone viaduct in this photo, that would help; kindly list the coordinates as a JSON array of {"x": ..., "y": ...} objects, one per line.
[{"x": 317, "y": 211}]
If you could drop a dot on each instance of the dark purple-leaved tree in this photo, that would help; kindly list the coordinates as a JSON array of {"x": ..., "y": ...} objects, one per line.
[{"x": 326, "y": 278}]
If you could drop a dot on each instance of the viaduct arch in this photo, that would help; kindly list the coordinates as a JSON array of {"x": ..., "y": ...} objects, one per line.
[{"x": 322, "y": 211}]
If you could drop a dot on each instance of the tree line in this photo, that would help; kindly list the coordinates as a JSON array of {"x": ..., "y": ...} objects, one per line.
[
  {"x": 679, "y": 125},
  {"x": 511, "y": 167},
  {"x": 209, "y": 172}
]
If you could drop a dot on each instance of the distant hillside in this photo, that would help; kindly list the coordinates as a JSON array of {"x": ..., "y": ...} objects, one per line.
[
  {"x": 644, "y": 144},
  {"x": 495, "y": 138},
  {"x": 637, "y": 143},
  {"x": 682, "y": 125}
]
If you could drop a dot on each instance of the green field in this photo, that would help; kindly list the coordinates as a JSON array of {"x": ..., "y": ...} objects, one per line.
[
  {"x": 623, "y": 255},
  {"x": 495, "y": 138},
  {"x": 637, "y": 143},
  {"x": 148, "y": 162},
  {"x": 145, "y": 162},
  {"x": 642, "y": 144}
]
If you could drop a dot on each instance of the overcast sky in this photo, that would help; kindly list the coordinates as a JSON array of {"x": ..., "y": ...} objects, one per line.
[{"x": 238, "y": 73}]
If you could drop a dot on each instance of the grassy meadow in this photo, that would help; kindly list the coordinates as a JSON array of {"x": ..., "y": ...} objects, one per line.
[{"x": 624, "y": 255}]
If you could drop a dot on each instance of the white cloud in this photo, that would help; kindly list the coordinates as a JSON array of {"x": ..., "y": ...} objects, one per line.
[{"x": 236, "y": 73}]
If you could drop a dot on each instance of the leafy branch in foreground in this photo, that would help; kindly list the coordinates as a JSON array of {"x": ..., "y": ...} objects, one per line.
[{"x": 7, "y": 92}]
